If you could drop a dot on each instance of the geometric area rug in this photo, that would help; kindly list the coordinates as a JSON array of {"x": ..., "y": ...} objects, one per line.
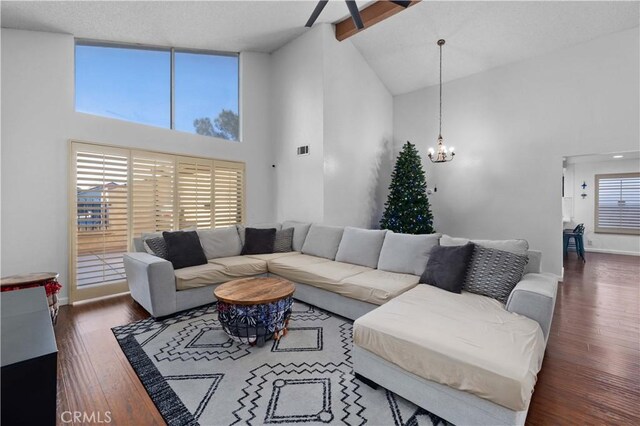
[{"x": 195, "y": 374}]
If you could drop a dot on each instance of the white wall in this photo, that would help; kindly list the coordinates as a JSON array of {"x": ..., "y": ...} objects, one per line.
[
  {"x": 327, "y": 96},
  {"x": 38, "y": 119},
  {"x": 358, "y": 140},
  {"x": 512, "y": 125},
  {"x": 297, "y": 117},
  {"x": 584, "y": 208}
]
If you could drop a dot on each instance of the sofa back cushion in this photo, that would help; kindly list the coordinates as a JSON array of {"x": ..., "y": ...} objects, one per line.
[
  {"x": 512, "y": 246},
  {"x": 360, "y": 246},
  {"x": 277, "y": 226},
  {"x": 520, "y": 247},
  {"x": 300, "y": 231},
  {"x": 220, "y": 242},
  {"x": 406, "y": 253},
  {"x": 323, "y": 241}
]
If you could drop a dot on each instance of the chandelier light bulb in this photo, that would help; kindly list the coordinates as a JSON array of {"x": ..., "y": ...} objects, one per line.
[
  {"x": 451, "y": 149},
  {"x": 431, "y": 151}
]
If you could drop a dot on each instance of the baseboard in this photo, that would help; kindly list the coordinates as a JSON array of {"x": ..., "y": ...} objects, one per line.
[
  {"x": 63, "y": 301},
  {"x": 622, "y": 252}
]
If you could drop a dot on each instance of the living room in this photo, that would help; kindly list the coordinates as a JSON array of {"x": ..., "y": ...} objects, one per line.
[{"x": 250, "y": 116}]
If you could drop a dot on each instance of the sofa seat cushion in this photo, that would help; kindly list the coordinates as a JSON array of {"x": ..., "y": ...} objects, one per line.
[
  {"x": 200, "y": 276},
  {"x": 241, "y": 266},
  {"x": 325, "y": 274},
  {"x": 465, "y": 341},
  {"x": 272, "y": 256},
  {"x": 377, "y": 286}
]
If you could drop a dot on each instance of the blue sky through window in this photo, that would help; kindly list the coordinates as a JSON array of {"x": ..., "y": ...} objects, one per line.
[
  {"x": 134, "y": 84},
  {"x": 205, "y": 85},
  {"x": 128, "y": 84}
]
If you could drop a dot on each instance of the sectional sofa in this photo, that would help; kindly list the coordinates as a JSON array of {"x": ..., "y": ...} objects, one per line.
[{"x": 464, "y": 357}]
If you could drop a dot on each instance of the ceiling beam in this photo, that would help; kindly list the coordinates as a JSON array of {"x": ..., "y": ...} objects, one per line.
[{"x": 371, "y": 15}]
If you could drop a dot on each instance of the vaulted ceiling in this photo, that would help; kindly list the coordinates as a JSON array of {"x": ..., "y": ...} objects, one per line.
[{"x": 402, "y": 49}]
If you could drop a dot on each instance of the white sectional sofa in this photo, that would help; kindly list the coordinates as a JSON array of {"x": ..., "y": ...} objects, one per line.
[{"x": 464, "y": 357}]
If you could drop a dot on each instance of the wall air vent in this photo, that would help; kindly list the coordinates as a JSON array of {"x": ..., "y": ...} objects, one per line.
[{"x": 303, "y": 150}]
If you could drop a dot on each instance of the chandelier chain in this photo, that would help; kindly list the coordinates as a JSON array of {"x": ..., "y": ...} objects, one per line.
[{"x": 440, "y": 120}]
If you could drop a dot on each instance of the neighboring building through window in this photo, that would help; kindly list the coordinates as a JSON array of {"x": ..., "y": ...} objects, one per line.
[
  {"x": 617, "y": 204},
  {"x": 186, "y": 90}
]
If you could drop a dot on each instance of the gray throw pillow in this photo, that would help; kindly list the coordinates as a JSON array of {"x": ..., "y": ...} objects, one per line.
[
  {"x": 220, "y": 242},
  {"x": 406, "y": 253},
  {"x": 283, "y": 241},
  {"x": 447, "y": 267},
  {"x": 323, "y": 241},
  {"x": 241, "y": 228},
  {"x": 156, "y": 246},
  {"x": 300, "y": 231},
  {"x": 494, "y": 273},
  {"x": 360, "y": 246},
  {"x": 259, "y": 241}
]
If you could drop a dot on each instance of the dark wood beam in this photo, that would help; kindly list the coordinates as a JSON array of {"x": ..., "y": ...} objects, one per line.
[{"x": 371, "y": 15}]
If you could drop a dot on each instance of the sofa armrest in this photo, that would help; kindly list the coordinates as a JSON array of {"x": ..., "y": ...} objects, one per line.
[
  {"x": 535, "y": 297},
  {"x": 152, "y": 282}
]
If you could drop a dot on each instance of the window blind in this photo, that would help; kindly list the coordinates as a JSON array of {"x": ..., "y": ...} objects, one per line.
[
  {"x": 228, "y": 193},
  {"x": 101, "y": 216},
  {"x": 194, "y": 191},
  {"x": 122, "y": 193},
  {"x": 153, "y": 203},
  {"x": 618, "y": 203}
]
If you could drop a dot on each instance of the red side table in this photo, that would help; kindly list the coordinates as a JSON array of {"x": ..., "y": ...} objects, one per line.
[{"x": 48, "y": 280}]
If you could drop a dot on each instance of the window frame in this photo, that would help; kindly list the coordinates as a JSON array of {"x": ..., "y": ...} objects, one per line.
[
  {"x": 172, "y": 53},
  {"x": 75, "y": 146},
  {"x": 610, "y": 230}
]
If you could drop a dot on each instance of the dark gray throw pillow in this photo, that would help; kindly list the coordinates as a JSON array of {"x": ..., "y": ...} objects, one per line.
[
  {"x": 494, "y": 273},
  {"x": 283, "y": 241},
  {"x": 258, "y": 241},
  {"x": 184, "y": 249},
  {"x": 447, "y": 267},
  {"x": 156, "y": 246}
]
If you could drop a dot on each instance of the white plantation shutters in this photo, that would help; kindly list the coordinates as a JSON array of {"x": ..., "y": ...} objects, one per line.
[
  {"x": 194, "y": 192},
  {"x": 618, "y": 203},
  {"x": 118, "y": 194},
  {"x": 100, "y": 232},
  {"x": 153, "y": 189},
  {"x": 228, "y": 193}
]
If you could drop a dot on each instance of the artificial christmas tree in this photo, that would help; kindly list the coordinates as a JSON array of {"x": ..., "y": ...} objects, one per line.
[{"x": 407, "y": 209}]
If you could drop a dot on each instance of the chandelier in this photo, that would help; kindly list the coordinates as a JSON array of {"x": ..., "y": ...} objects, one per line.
[{"x": 441, "y": 154}]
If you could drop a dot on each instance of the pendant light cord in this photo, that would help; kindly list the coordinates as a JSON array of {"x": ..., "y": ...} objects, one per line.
[{"x": 440, "y": 126}]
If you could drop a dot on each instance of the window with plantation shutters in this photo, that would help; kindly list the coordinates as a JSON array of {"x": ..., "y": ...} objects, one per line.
[
  {"x": 153, "y": 177},
  {"x": 228, "y": 193},
  {"x": 100, "y": 215},
  {"x": 194, "y": 192},
  {"x": 118, "y": 194},
  {"x": 617, "y": 203}
]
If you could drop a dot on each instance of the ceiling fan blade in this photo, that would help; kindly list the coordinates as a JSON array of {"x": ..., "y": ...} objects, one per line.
[
  {"x": 355, "y": 13},
  {"x": 316, "y": 12},
  {"x": 404, "y": 4}
]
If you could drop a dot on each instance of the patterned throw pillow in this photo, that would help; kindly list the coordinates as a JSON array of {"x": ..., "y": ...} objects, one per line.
[
  {"x": 283, "y": 241},
  {"x": 157, "y": 247},
  {"x": 494, "y": 273}
]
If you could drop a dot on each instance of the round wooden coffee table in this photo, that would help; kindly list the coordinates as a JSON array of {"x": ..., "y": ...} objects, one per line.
[{"x": 254, "y": 310}]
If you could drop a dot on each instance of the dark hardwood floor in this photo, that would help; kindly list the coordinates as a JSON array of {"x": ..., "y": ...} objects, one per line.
[{"x": 590, "y": 375}]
